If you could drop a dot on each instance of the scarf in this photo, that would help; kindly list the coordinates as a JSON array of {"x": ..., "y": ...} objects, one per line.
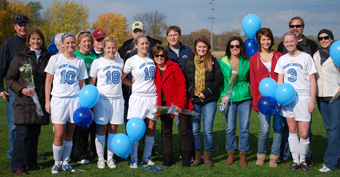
[
  {"x": 199, "y": 75},
  {"x": 324, "y": 55}
]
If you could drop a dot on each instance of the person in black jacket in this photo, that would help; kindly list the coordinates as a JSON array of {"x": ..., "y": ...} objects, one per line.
[
  {"x": 28, "y": 123},
  {"x": 203, "y": 76}
]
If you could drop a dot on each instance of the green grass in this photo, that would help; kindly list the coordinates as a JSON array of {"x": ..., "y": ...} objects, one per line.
[{"x": 46, "y": 139}]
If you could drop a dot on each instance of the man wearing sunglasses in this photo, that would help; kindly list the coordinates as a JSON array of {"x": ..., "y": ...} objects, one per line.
[
  {"x": 99, "y": 36},
  {"x": 296, "y": 26}
]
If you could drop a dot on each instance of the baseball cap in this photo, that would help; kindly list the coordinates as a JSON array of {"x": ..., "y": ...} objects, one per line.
[
  {"x": 21, "y": 18},
  {"x": 137, "y": 25},
  {"x": 97, "y": 34}
]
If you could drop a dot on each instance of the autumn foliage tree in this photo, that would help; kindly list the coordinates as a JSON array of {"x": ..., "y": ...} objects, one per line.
[
  {"x": 154, "y": 23},
  {"x": 114, "y": 25}
]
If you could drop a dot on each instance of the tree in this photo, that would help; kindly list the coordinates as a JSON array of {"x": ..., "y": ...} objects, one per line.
[
  {"x": 224, "y": 37},
  {"x": 189, "y": 39},
  {"x": 154, "y": 23},
  {"x": 114, "y": 25},
  {"x": 36, "y": 19},
  {"x": 66, "y": 16}
]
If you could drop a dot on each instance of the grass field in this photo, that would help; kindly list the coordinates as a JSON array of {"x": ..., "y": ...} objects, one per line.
[{"x": 46, "y": 139}]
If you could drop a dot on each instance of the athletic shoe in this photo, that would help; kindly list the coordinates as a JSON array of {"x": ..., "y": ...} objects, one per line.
[
  {"x": 148, "y": 161},
  {"x": 324, "y": 169},
  {"x": 294, "y": 167},
  {"x": 304, "y": 166},
  {"x": 133, "y": 164},
  {"x": 111, "y": 163},
  {"x": 101, "y": 164},
  {"x": 68, "y": 168},
  {"x": 84, "y": 161},
  {"x": 55, "y": 169}
]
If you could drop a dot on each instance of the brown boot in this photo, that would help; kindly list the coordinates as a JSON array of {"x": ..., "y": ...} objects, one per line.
[
  {"x": 243, "y": 159},
  {"x": 197, "y": 160},
  {"x": 231, "y": 158},
  {"x": 208, "y": 159},
  {"x": 273, "y": 160},
  {"x": 260, "y": 159}
]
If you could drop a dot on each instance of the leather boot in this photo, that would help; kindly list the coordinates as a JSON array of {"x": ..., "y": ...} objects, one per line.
[
  {"x": 231, "y": 158},
  {"x": 197, "y": 160},
  {"x": 243, "y": 159},
  {"x": 186, "y": 155},
  {"x": 168, "y": 159},
  {"x": 273, "y": 160},
  {"x": 208, "y": 159},
  {"x": 260, "y": 159}
]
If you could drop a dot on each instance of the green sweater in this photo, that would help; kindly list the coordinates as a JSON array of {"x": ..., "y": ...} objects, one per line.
[
  {"x": 88, "y": 61},
  {"x": 241, "y": 86}
]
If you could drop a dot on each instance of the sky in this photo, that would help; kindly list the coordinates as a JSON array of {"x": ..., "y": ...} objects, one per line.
[{"x": 192, "y": 15}]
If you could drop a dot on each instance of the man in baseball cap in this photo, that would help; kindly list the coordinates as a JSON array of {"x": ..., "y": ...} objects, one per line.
[{"x": 99, "y": 36}]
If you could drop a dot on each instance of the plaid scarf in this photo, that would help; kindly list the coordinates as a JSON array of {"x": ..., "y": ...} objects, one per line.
[{"x": 199, "y": 75}]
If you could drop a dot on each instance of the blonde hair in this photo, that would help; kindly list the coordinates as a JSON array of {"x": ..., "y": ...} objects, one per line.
[
  {"x": 109, "y": 39},
  {"x": 135, "y": 41},
  {"x": 83, "y": 34}
]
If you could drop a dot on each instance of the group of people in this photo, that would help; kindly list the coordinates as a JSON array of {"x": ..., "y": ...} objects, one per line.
[{"x": 142, "y": 74}]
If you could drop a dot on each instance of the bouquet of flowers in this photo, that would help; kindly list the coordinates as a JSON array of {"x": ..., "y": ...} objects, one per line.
[
  {"x": 224, "y": 106},
  {"x": 26, "y": 70},
  {"x": 171, "y": 110}
]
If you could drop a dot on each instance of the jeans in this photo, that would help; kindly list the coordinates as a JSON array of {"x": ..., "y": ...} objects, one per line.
[
  {"x": 264, "y": 132},
  {"x": 330, "y": 113},
  {"x": 208, "y": 110},
  {"x": 243, "y": 108},
  {"x": 10, "y": 121},
  {"x": 285, "y": 151}
]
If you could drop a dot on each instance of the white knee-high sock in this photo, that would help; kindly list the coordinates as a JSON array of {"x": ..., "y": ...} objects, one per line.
[
  {"x": 67, "y": 152},
  {"x": 100, "y": 144},
  {"x": 57, "y": 153},
  {"x": 303, "y": 149},
  {"x": 149, "y": 141},
  {"x": 134, "y": 151},
  {"x": 109, "y": 147},
  {"x": 293, "y": 140}
]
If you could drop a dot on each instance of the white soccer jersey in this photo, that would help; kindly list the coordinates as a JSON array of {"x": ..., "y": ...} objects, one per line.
[
  {"x": 66, "y": 75},
  {"x": 108, "y": 74},
  {"x": 296, "y": 70},
  {"x": 143, "y": 71}
]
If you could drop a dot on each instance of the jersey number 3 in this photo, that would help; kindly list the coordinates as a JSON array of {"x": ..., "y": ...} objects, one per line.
[{"x": 293, "y": 75}]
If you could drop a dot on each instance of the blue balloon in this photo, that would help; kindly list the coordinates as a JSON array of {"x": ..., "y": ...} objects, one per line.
[
  {"x": 135, "y": 128},
  {"x": 251, "y": 46},
  {"x": 88, "y": 96},
  {"x": 285, "y": 93},
  {"x": 334, "y": 51},
  {"x": 83, "y": 117},
  {"x": 52, "y": 48},
  {"x": 267, "y": 87},
  {"x": 121, "y": 145},
  {"x": 268, "y": 106},
  {"x": 250, "y": 25}
]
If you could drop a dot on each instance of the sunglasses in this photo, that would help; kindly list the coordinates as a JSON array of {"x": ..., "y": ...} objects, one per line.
[
  {"x": 237, "y": 46},
  {"x": 295, "y": 26},
  {"x": 159, "y": 55},
  {"x": 100, "y": 39},
  {"x": 325, "y": 38}
]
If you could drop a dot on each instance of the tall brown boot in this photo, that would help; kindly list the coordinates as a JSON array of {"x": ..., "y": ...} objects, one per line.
[
  {"x": 197, "y": 160},
  {"x": 231, "y": 158},
  {"x": 208, "y": 159},
  {"x": 243, "y": 159},
  {"x": 273, "y": 160},
  {"x": 260, "y": 159}
]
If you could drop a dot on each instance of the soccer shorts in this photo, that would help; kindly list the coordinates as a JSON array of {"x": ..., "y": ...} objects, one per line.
[
  {"x": 141, "y": 106},
  {"x": 62, "y": 109},
  {"x": 109, "y": 110}
]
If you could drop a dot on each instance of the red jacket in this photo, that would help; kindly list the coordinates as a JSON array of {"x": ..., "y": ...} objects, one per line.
[
  {"x": 258, "y": 72},
  {"x": 173, "y": 86}
]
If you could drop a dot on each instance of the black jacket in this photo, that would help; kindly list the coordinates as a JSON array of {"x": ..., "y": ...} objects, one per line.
[
  {"x": 306, "y": 45},
  {"x": 213, "y": 80}
]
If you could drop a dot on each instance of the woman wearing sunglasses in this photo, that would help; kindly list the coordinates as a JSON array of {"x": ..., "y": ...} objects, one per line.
[
  {"x": 240, "y": 99},
  {"x": 328, "y": 72},
  {"x": 262, "y": 65}
]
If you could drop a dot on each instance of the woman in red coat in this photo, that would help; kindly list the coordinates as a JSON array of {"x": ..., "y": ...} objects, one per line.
[{"x": 171, "y": 90}]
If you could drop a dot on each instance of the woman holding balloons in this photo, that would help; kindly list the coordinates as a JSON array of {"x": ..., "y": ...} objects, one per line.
[
  {"x": 297, "y": 69},
  {"x": 262, "y": 65},
  {"x": 68, "y": 74},
  {"x": 143, "y": 97},
  {"x": 326, "y": 89},
  {"x": 240, "y": 101}
]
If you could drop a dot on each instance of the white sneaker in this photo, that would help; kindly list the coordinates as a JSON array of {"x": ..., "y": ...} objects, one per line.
[
  {"x": 84, "y": 161},
  {"x": 324, "y": 169},
  {"x": 55, "y": 169},
  {"x": 68, "y": 168},
  {"x": 111, "y": 163},
  {"x": 148, "y": 161},
  {"x": 101, "y": 164},
  {"x": 133, "y": 164}
]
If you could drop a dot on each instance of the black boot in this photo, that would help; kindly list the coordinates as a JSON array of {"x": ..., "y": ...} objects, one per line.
[
  {"x": 186, "y": 156},
  {"x": 168, "y": 159}
]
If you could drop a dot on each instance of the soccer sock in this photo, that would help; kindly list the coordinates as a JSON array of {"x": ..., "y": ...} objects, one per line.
[
  {"x": 134, "y": 151},
  {"x": 109, "y": 147},
  {"x": 303, "y": 149},
  {"x": 149, "y": 141},
  {"x": 57, "y": 152},
  {"x": 293, "y": 140},
  {"x": 100, "y": 144},
  {"x": 66, "y": 152}
]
